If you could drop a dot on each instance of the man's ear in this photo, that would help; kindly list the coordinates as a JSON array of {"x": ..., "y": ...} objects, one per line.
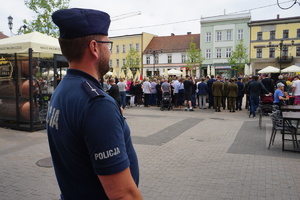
[{"x": 93, "y": 48}]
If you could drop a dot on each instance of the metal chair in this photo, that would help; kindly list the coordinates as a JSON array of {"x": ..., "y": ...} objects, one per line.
[{"x": 279, "y": 124}]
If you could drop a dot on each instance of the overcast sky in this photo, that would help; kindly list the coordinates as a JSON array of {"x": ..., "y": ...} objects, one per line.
[{"x": 157, "y": 12}]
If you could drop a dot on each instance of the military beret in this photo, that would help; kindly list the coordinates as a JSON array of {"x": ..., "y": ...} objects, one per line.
[{"x": 77, "y": 22}]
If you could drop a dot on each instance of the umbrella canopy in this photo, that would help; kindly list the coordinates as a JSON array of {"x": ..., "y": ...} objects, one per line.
[
  {"x": 109, "y": 73},
  {"x": 184, "y": 72},
  {"x": 293, "y": 68},
  {"x": 166, "y": 73},
  {"x": 269, "y": 69},
  {"x": 246, "y": 70},
  {"x": 208, "y": 70},
  {"x": 51, "y": 73},
  {"x": 114, "y": 73},
  {"x": 174, "y": 72},
  {"x": 137, "y": 75},
  {"x": 39, "y": 43},
  {"x": 213, "y": 70},
  {"x": 122, "y": 74},
  {"x": 129, "y": 73}
]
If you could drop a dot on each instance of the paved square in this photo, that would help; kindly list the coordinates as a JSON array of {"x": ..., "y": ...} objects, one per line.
[{"x": 182, "y": 155}]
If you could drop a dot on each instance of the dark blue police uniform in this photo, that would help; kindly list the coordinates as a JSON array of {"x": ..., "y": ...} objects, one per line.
[{"x": 88, "y": 136}]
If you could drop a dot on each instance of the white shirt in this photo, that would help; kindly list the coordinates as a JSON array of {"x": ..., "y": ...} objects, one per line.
[
  {"x": 296, "y": 84},
  {"x": 147, "y": 87}
]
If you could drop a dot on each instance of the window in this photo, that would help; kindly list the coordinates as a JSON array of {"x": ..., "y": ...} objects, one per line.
[
  {"x": 124, "y": 48},
  {"x": 258, "y": 53},
  {"x": 110, "y": 63},
  {"x": 208, "y": 54},
  {"x": 156, "y": 59},
  {"x": 117, "y": 61},
  {"x": 272, "y": 52},
  {"x": 285, "y": 34},
  {"x": 229, "y": 35},
  {"x": 130, "y": 46},
  {"x": 208, "y": 37},
  {"x": 219, "y": 35},
  {"x": 228, "y": 52},
  {"x": 272, "y": 35},
  {"x": 285, "y": 51},
  {"x": 117, "y": 49},
  {"x": 259, "y": 35},
  {"x": 298, "y": 33},
  {"x": 169, "y": 59},
  {"x": 137, "y": 47},
  {"x": 240, "y": 34},
  {"x": 298, "y": 51},
  {"x": 124, "y": 62},
  {"x": 148, "y": 60},
  {"x": 219, "y": 53},
  {"x": 183, "y": 58}
]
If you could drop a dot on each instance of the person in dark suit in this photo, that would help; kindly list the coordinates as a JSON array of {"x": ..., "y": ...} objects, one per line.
[
  {"x": 268, "y": 83},
  {"x": 114, "y": 91},
  {"x": 239, "y": 99},
  {"x": 202, "y": 91},
  {"x": 217, "y": 91},
  {"x": 210, "y": 94}
]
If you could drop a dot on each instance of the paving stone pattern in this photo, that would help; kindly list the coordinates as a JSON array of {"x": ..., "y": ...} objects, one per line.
[{"x": 182, "y": 155}]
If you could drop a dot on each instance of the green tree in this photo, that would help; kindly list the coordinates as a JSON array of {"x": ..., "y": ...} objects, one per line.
[
  {"x": 194, "y": 57},
  {"x": 239, "y": 57},
  {"x": 133, "y": 59},
  {"x": 43, "y": 22}
]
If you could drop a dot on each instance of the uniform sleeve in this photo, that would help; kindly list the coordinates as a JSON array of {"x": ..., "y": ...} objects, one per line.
[{"x": 104, "y": 133}]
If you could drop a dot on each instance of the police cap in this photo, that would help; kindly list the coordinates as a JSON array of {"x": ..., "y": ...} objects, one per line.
[{"x": 77, "y": 22}]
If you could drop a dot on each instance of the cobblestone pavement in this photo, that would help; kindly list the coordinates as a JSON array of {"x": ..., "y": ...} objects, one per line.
[{"x": 182, "y": 155}]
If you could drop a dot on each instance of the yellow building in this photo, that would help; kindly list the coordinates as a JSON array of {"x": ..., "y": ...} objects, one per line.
[
  {"x": 122, "y": 46},
  {"x": 275, "y": 42}
]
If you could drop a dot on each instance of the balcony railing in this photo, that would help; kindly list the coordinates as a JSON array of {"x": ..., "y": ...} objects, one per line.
[{"x": 285, "y": 59}]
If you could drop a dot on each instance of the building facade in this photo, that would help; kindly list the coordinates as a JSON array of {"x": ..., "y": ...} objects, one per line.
[
  {"x": 122, "y": 46},
  {"x": 219, "y": 36},
  {"x": 167, "y": 52},
  {"x": 275, "y": 42}
]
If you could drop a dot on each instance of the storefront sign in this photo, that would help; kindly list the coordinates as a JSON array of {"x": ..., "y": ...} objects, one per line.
[{"x": 6, "y": 69}]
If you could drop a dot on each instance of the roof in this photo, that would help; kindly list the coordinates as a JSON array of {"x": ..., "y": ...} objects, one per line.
[
  {"x": 3, "y": 36},
  {"x": 275, "y": 21},
  {"x": 173, "y": 43},
  {"x": 37, "y": 41},
  {"x": 228, "y": 17}
]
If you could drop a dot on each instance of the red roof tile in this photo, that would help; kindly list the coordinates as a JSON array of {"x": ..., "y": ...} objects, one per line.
[
  {"x": 3, "y": 36},
  {"x": 173, "y": 43}
]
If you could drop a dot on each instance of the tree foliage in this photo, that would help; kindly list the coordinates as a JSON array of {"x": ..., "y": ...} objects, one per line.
[
  {"x": 239, "y": 57},
  {"x": 194, "y": 57},
  {"x": 43, "y": 10},
  {"x": 133, "y": 59}
]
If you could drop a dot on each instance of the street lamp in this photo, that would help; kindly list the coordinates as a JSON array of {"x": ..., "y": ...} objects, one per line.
[
  {"x": 10, "y": 26},
  {"x": 281, "y": 45},
  {"x": 155, "y": 53}
]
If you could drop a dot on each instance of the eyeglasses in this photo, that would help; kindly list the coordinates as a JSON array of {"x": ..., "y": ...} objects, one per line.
[{"x": 109, "y": 43}]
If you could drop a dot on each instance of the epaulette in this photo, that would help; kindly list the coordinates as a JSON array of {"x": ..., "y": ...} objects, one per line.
[{"x": 92, "y": 89}]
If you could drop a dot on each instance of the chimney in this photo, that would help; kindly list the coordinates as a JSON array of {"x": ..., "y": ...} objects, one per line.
[
  {"x": 278, "y": 16},
  {"x": 172, "y": 34},
  {"x": 189, "y": 33}
]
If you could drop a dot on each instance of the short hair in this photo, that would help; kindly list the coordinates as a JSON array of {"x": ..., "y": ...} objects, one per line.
[
  {"x": 280, "y": 77},
  {"x": 255, "y": 78},
  {"x": 212, "y": 76},
  {"x": 73, "y": 49},
  {"x": 111, "y": 80}
]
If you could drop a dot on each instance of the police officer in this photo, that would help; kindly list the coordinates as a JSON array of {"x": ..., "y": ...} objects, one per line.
[{"x": 89, "y": 139}]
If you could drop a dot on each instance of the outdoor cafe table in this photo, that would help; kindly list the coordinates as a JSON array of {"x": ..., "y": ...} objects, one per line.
[
  {"x": 287, "y": 117},
  {"x": 290, "y": 108}
]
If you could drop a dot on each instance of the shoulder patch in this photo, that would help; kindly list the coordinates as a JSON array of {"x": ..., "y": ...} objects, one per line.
[{"x": 92, "y": 89}]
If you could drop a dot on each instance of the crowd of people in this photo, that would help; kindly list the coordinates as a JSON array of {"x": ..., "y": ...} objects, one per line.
[{"x": 206, "y": 92}]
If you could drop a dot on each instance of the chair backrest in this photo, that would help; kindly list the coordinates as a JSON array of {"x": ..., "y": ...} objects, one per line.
[{"x": 276, "y": 118}]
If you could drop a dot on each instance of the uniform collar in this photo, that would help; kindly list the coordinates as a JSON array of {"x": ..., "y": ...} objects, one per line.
[{"x": 76, "y": 72}]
